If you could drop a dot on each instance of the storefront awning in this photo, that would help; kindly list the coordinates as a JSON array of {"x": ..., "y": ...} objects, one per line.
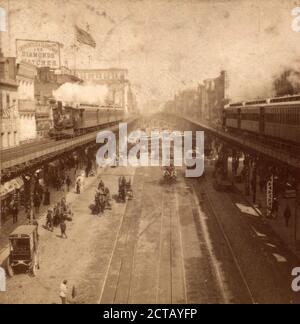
[
  {"x": 10, "y": 186},
  {"x": 54, "y": 164}
]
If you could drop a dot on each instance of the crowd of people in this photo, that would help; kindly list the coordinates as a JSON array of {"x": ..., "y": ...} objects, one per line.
[
  {"x": 58, "y": 216},
  {"x": 102, "y": 200}
]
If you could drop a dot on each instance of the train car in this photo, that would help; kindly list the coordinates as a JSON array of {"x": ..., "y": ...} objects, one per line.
[
  {"x": 232, "y": 117},
  {"x": 77, "y": 119},
  {"x": 282, "y": 119},
  {"x": 250, "y": 118},
  {"x": 277, "y": 118}
]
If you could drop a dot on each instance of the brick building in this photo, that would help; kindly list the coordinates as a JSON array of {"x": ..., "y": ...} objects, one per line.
[
  {"x": 26, "y": 74},
  {"x": 9, "y": 116},
  {"x": 212, "y": 98}
]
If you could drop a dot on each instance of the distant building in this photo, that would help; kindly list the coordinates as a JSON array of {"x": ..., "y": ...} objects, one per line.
[
  {"x": 26, "y": 74},
  {"x": 48, "y": 80},
  {"x": 204, "y": 103},
  {"x": 116, "y": 81},
  {"x": 212, "y": 94},
  {"x": 284, "y": 84},
  {"x": 9, "y": 116}
]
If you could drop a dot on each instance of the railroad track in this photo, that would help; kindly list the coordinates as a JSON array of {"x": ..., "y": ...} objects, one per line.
[{"x": 213, "y": 213}]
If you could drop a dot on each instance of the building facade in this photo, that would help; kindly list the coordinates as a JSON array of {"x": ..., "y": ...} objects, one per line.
[
  {"x": 204, "y": 103},
  {"x": 26, "y": 74},
  {"x": 116, "y": 80},
  {"x": 9, "y": 116},
  {"x": 212, "y": 96}
]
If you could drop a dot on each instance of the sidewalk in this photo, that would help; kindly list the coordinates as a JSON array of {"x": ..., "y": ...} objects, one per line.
[
  {"x": 286, "y": 234},
  {"x": 8, "y": 227}
]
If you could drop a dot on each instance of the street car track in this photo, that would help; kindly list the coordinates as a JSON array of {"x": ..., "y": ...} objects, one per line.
[
  {"x": 214, "y": 213},
  {"x": 112, "y": 255}
]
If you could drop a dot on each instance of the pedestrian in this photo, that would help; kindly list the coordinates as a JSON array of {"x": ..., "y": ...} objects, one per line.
[
  {"x": 63, "y": 228},
  {"x": 78, "y": 185},
  {"x": 15, "y": 211},
  {"x": 63, "y": 292},
  {"x": 107, "y": 198},
  {"x": 63, "y": 184},
  {"x": 57, "y": 183},
  {"x": 49, "y": 220},
  {"x": 47, "y": 198},
  {"x": 36, "y": 203},
  {"x": 287, "y": 215},
  {"x": 56, "y": 215},
  {"x": 101, "y": 185},
  {"x": 68, "y": 183}
]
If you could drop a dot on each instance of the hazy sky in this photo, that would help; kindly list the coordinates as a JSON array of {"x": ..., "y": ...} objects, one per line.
[{"x": 170, "y": 45}]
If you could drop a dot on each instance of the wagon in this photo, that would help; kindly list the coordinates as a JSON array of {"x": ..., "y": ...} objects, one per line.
[{"x": 23, "y": 250}]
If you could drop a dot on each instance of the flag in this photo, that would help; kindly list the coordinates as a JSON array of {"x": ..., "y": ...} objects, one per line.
[{"x": 84, "y": 37}]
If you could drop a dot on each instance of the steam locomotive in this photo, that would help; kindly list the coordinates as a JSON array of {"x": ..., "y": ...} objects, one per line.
[
  {"x": 77, "y": 119},
  {"x": 277, "y": 118}
]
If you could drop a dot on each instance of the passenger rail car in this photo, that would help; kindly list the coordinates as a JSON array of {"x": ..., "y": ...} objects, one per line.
[
  {"x": 277, "y": 118},
  {"x": 74, "y": 120}
]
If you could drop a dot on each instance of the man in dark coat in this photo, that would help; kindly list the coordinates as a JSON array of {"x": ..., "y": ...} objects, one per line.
[
  {"x": 68, "y": 182},
  {"x": 63, "y": 228},
  {"x": 47, "y": 197},
  {"x": 15, "y": 211},
  {"x": 36, "y": 203},
  {"x": 49, "y": 220}
]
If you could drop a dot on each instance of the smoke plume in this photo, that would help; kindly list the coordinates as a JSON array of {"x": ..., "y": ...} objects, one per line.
[{"x": 86, "y": 93}]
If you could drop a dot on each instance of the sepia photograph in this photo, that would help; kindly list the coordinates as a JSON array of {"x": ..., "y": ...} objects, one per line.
[{"x": 150, "y": 154}]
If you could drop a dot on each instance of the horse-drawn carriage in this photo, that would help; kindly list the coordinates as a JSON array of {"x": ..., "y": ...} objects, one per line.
[
  {"x": 125, "y": 190},
  {"x": 102, "y": 201},
  {"x": 23, "y": 250}
]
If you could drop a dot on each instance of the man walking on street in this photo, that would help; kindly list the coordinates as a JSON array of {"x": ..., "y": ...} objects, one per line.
[
  {"x": 15, "y": 211},
  {"x": 63, "y": 292},
  {"x": 68, "y": 183},
  {"x": 49, "y": 220},
  {"x": 63, "y": 228},
  {"x": 36, "y": 203}
]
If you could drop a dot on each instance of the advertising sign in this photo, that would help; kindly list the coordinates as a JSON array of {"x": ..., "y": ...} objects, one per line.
[{"x": 38, "y": 53}]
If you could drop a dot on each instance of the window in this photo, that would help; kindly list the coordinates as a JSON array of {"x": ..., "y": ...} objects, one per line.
[{"x": 7, "y": 101}]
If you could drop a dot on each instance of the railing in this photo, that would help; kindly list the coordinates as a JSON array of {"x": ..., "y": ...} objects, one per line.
[
  {"x": 263, "y": 148},
  {"x": 9, "y": 159}
]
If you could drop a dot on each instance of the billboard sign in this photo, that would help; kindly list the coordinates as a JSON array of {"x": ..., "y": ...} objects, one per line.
[{"x": 38, "y": 53}]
